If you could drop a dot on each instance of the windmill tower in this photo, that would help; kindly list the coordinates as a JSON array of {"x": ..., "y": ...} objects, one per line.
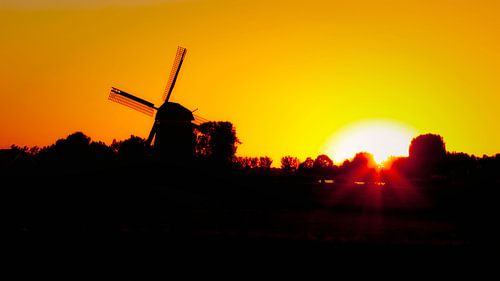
[{"x": 173, "y": 128}]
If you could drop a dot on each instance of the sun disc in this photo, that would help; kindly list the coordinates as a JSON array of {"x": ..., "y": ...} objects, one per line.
[{"x": 382, "y": 138}]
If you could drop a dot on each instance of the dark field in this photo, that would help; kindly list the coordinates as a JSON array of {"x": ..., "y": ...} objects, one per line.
[{"x": 160, "y": 208}]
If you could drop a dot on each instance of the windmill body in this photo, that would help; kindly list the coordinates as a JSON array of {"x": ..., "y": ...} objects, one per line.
[{"x": 172, "y": 134}]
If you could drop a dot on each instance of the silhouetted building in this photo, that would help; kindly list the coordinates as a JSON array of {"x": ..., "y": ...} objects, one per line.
[
  {"x": 173, "y": 132},
  {"x": 175, "y": 138}
]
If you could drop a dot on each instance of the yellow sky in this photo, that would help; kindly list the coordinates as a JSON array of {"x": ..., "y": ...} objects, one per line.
[{"x": 288, "y": 74}]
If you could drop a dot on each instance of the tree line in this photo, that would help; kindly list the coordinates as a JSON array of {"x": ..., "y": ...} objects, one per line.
[
  {"x": 428, "y": 159},
  {"x": 216, "y": 145}
]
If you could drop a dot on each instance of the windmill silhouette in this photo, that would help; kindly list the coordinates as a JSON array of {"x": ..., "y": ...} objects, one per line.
[{"x": 173, "y": 128}]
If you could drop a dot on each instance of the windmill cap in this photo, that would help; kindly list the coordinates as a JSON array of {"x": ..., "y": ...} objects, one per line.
[{"x": 175, "y": 112}]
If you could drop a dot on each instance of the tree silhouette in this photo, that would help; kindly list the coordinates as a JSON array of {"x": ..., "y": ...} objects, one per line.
[
  {"x": 265, "y": 162},
  {"x": 253, "y": 162},
  {"x": 75, "y": 146},
  {"x": 100, "y": 154},
  {"x": 289, "y": 163},
  {"x": 460, "y": 165},
  {"x": 202, "y": 147},
  {"x": 363, "y": 160},
  {"x": 247, "y": 162},
  {"x": 307, "y": 165},
  {"x": 217, "y": 142},
  {"x": 241, "y": 162},
  {"x": 427, "y": 153},
  {"x": 361, "y": 168},
  {"x": 490, "y": 166},
  {"x": 322, "y": 162},
  {"x": 133, "y": 149},
  {"x": 71, "y": 152},
  {"x": 19, "y": 157},
  {"x": 428, "y": 147}
]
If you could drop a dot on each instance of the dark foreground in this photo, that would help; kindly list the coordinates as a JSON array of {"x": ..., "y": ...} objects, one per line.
[{"x": 176, "y": 211}]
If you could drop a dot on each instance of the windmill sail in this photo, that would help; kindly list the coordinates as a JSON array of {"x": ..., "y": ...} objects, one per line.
[
  {"x": 179, "y": 57},
  {"x": 131, "y": 101},
  {"x": 198, "y": 120},
  {"x": 172, "y": 118}
]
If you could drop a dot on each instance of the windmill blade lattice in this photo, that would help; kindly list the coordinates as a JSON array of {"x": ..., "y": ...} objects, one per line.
[
  {"x": 131, "y": 101},
  {"x": 179, "y": 57},
  {"x": 198, "y": 120}
]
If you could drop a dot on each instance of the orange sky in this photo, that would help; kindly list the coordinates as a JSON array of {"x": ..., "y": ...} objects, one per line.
[{"x": 288, "y": 74}]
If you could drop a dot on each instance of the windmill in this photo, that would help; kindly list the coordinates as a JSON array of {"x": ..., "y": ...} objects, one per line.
[{"x": 173, "y": 127}]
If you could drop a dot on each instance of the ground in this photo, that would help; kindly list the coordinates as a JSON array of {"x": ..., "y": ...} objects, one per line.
[{"x": 177, "y": 208}]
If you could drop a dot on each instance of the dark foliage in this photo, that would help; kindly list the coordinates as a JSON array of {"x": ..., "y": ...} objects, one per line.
[
  {"x": 73, "y": 152},
  {"x": 307, "y": 165},
  {"x": 217, "y": 142},
  {"x": 428, "y": 147},
  {"x": 246, "y": 162},
  {"x": 361, "y": 168},
  {"x": 253, "y": 162},
  {"x": 289, "y": 163},
  {"x": 427, "y": 154},
  {"x": 95, "y": 189},
  {"x": 322, "y": 162},
  {"x": 265, "y": 162},
  {"x": 133, "y": 149}
]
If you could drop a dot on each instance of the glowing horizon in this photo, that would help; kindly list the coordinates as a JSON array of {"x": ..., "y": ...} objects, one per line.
[
  {"x": 288, "y": 74},
  {"x": 381, "y": 138}
]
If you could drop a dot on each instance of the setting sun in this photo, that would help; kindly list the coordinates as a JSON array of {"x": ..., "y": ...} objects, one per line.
[{"x": 382, "y": 138}]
